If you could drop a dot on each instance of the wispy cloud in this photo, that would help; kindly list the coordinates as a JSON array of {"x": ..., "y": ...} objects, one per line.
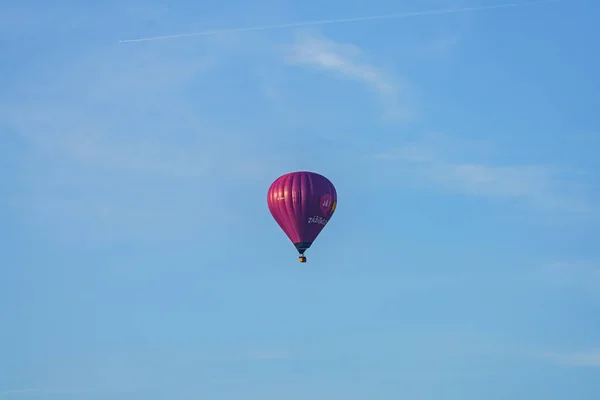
[
  {"x": 343, "y": 20},
  {"x": 92, "y": 146},
  {"x": 21, "y": 391},
  {"x": 441, "y": 46},
  {"x": 324, "y": 53},
  {"x": 271, "y": 355},
  {"x": 347, "y": 61},
  {"x": 119, "y": 143},
  {"x": 48, "y": 391},
  {"x": 586, "y": 358},
  {"x": 440, "y": 164},
  {"x": 578, "y": 274}
]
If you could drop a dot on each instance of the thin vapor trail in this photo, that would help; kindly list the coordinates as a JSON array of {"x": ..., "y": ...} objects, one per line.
[{"x": 343, "y": 20}]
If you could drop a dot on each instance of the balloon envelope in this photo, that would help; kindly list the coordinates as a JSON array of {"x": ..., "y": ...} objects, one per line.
[{"x": 302, "y": 204}]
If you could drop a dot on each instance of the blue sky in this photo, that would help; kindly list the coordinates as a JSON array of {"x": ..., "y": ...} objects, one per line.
[{"x": 139, "y": 257}]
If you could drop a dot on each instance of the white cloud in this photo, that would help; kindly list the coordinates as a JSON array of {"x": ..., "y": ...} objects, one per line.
[
  {"x": 438, "y": 163},
  {"x": 347, "y": 60},
  {"x": 272, "y": 355},
  {"x": 95, "y": 147},
  {"x": 587, "y": 358},
  {"x": 341, "y": 58},
  {"x": 121, "y": 141},
  {"x": 439, "y": 47},
  {"x": 21, "y": 391},
  {"x": 579, "y": 274},
  {"x": 26, "y": 392}
]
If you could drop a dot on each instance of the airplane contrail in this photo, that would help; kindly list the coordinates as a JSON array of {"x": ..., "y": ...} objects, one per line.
[{"x": 343, "y": 20}]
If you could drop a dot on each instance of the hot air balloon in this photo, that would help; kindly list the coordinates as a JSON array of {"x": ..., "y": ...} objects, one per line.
[{"x": 302, "y": 204}]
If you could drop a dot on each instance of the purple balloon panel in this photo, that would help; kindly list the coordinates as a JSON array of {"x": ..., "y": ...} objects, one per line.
[{"x": 302, "y": 204}]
